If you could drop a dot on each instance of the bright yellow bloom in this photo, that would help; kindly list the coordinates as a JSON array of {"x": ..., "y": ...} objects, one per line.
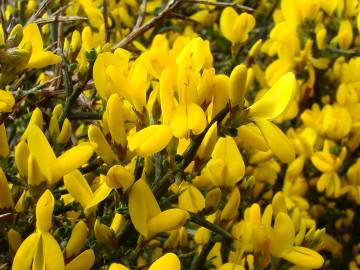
[
  {"x": 39, "y": 58},
  {"x": 6, "y": 201},
  {"x": 301, "y": 256},
  {"x": 167, "y": 261},
  {"x": 146, "y": 215},
  {"x": 79, "y": 188},
  {"x": 4, "y": 147},
  {"x": 236, "y": 27},
  {"x": 119, "y": 177},
  {"x": 103, "y": 149},
  {"x": 7, "y": 101},
  {"x": 52, "y": 167},
  {"x": 77, "y": 239},
  {"x": 190, "y": 199},
  {"x": 270, "y": 106},
  {"x": 150, "y": 140},
  {"x": 40, "y": 250},
  {"x": 226, "y": 167}
]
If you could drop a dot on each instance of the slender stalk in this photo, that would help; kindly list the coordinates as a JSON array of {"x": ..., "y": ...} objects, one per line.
[
  {"x": 221, "y": 4},
  {"x": 200, "y": 260},
  {"x": 151, "y": 23},
  {"x": 211, "y": 226}
]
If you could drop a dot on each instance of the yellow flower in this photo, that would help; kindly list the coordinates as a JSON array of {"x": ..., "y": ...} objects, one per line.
[
  {"x": 284, "y": 229},
  {"x": 7, "y": 101},
  {"x": 4, "y": 147},
  {"x": 190, "y": 199},
  {"x": 150, "y": 140},
  {"x": 103, "y": 149},
  {"x": 119, "y": 177},
  {"x": 328, "y": 164},
  {"x": 6, "y": 201},
  {"x": 52, "y": 167},
  {"x": 146, "y": 215},
  {"x": 345, "y": 34},
  {"x": 40, "y": 250},
  {"x": 272, "y": 104},
  {"x": 79, "y": 188},
  {"x": 226, "y": 167},
  {"x": 167, "y": 261},
  {"x": 236, "y": 27},
  {"x": 39, "y": 58}
]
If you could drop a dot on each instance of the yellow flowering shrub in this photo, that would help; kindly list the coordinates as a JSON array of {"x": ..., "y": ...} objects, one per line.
[{"x": 179, "y": 134}]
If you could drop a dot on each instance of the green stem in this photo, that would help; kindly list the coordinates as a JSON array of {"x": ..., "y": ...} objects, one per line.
[{"x": 211, "y": 226}]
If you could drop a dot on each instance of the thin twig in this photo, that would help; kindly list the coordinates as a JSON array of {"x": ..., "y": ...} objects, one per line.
[
  {"x": 197, "y": 219},
  {"x": 141, "y": 17},
  {"x": 221, "y": 4},
  {"x": 145, "y": 27},
  {"x": 64, "y": 19},
  {"x": 200, "y": 260},
  {"x": 40, "y": 11}
]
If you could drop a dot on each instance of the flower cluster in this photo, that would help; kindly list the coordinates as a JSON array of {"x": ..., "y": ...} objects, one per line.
[{"x": 180, "y": 134}]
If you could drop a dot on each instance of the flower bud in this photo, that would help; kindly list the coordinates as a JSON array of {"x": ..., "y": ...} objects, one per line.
[
  {"x": 77, "y": 239},
  {"x": 44, "y": 211},
  {"x": 5, "y": 193},
  {"x": 15, "y": 36},
  {"x": 119, "y": 177},
  {"x": 4, "y": 147}
]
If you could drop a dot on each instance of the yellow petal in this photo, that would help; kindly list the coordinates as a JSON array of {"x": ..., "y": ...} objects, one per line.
[
  {"x": 142, "y": 206},
  {"x": 250, "y": 136},
  {"x": 4, "y": 146},
  {"x": 118, "y": 266},
  {"x": 150, "y": 140},
  {"x": 100, "y": 194},
  {"x": 7, "y": 101},
  {"x": 186, "y": 118},
  {"x": 116, "y": 121},
  {"x": 277, "y": 141},
  {"x": 227, "y": 150},
  {"x": 35, "y": 176},
  {"x": 103, "y": 148},
  {"x": 36, "y": 119},
  {"x": 44, "y": 211},
  {"x": 237, "y": 85},
  {"x": 84, "y": 261},
  {"x": 284, "y": 230},
  {"x": 231, "y": 266},
  {"x": 276, "y": 99},
  {"x": 323, "y": 161},
  {"x": 231, "y": 207},
  {"x": 41, "y": 149},
  {"x": 167, "y": 221},
  {"x": 78, "y": 187},
  {"x": 14, "y": 239},
  {"x": 119, "y": 177},
  {"x": 167, "y": 261},
  {"x": 208, "y": 143},
  {"x": 191, "y": 199},
  {"x": 65, "y": 132},
  {"x": 70, "y": 160},
  {"x": 77, "y": 239},
  {"x": 227, "y": 19},
  {"x": 304, "y": 257},
  {"x": 24, "y": 256},
  {"x": 52, "y": 253},
  {"x": 5, "y": 193},
  {"x": 21, "y": 158},
  {"x": 103, "y": 234},
  {"x": 166, "y": 95}
]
